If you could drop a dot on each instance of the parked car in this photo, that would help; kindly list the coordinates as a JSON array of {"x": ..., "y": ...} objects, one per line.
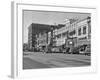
[
  {"x": 86, "y": 50},
  {"x": 75, "y": 50},
  {"x": 82, "y": 51},
  {"x": 55, "y": 50}
]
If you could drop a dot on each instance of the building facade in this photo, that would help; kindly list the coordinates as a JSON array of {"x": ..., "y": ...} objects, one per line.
[
  {"x": 45, "y": 39},
  {"x": 42, "y": 40},
  {"x": 37, "y": 35},
  {"x": 84, "y": 32},
  {"x": 60, "y": 36},
  {"x": 31, "y": 37},
  {"x": 78, "y": 32}
]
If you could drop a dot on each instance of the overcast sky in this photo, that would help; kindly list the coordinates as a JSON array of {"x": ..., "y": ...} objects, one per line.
[{"x": 46, "y": 17}]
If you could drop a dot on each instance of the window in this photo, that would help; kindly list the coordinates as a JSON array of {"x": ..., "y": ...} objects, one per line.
[
  {"x": 72, "y": 33},
  {"x": 59, "y": 36},
  {"x": 79, "y": 31},
  {"x": 64, "y": 34},
  {"x": 84, "y": 30}
]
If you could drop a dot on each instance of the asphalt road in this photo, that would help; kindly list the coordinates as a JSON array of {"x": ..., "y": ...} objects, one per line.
[{"x": 38, "y": 60}]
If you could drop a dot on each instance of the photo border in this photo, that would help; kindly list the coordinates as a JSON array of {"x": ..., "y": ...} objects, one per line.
[{"x": 17, "y": 61}]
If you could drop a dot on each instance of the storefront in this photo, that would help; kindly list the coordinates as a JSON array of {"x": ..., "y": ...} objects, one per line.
[{"x": 83, "y": 41}]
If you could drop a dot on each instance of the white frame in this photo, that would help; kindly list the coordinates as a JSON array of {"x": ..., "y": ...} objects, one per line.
[{"x": 16, "y": 70}]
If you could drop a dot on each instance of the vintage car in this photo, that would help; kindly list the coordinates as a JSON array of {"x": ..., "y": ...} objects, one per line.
[{"x": 86, "y": 50}]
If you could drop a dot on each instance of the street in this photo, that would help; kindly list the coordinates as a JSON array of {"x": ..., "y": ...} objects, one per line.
[{"x": 38, "y": 60}]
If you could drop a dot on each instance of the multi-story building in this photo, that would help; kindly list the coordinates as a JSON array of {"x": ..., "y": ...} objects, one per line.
[
  {"x": 30, "y": 37},
  {"x": 76, "y": 33},
  {"x": 84, "y": 32},
  {"x": 46, "y": 38},
  {"x": 33, "y": 30},
  {"x": 42, "y": 40},
  {"x": 60, "y": 36}
]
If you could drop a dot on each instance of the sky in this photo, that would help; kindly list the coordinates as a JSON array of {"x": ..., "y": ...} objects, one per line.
[{"x": 48, "y": 17}]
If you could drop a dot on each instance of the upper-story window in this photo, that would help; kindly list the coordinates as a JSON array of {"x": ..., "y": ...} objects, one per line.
[
  {"x": 84, "y": 30},
  {"x": 72, "y": 33},
  {"x": 64, "y": 34},
  {"x": 59, "y": 36},
  {"x": 79, "y": 31}
]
